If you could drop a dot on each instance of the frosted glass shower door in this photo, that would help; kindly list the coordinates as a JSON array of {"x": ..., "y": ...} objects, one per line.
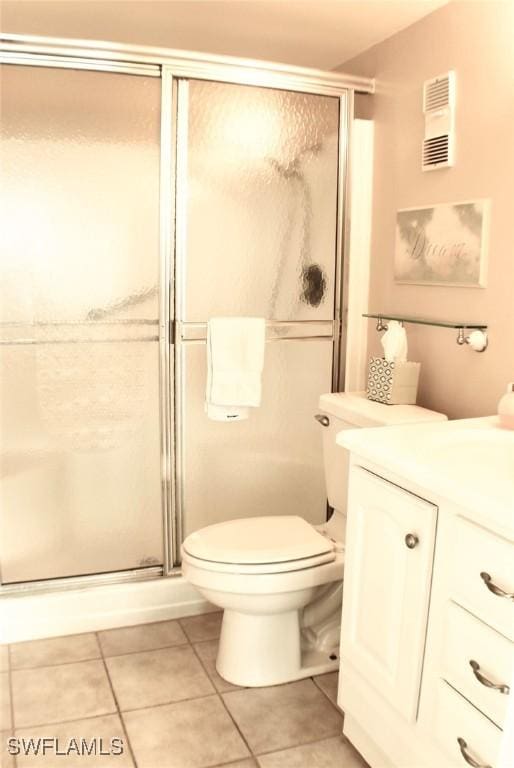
[
  {"x": 256, "y": 235},
  {"x": 80, "y": 477}
]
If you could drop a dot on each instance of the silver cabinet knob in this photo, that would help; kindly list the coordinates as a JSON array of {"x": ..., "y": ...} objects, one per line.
[
  {"x": 323, "y": 420},
  {"x": 411, "y": 540}
]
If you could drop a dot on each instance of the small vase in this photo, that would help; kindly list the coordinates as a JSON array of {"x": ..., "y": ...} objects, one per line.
[{"x": 506, "y": 408}]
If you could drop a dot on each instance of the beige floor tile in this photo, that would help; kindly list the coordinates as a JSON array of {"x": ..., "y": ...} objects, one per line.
[
  {"x": 207, "y": 651},
  {"x": 283, "y": 716},
  {"x": 99, "y": 729},
  {"x": 207, "y": 626},
  {"x": 328, "y": 684},
  {"x": 249, "y": 763},
  {"x": 4, "y": 658},
  {"x": 5, "y": 702},
  {"x": 157, "y": 677},
  {"x": 189, "y": 734},
  {"x": 55, "y": 650},
  {"x": 66, "y": 692},
  {"x": 144, "y": 637},
  {"x": 322, "y": 754},
  {"x": 6, "y": 758}
]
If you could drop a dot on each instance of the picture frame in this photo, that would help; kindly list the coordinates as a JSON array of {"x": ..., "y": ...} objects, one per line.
[{"x": 443, "y": 245}]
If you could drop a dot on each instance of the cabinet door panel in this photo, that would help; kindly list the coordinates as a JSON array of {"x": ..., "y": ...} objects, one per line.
[{"x": 387, "y": 586}]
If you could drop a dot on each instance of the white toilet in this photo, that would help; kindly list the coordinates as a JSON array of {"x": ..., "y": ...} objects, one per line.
[{"x": 279, "y": 578}]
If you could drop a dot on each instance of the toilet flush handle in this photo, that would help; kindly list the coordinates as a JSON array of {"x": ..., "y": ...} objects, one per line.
[{"x": 323, "y": 420}]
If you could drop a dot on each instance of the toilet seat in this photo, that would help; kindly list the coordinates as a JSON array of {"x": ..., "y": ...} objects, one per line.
[
  {"x": 258, "y": 545},
  {"x": 286, "y": 566}
]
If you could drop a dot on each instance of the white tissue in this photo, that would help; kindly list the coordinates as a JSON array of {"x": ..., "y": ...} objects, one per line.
[
  {"x": 477, "y": 340},
  {"x": 394, "y": 342}
]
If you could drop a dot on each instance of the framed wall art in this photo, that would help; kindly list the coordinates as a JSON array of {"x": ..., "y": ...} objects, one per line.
[{"x": 444, "y": 244}]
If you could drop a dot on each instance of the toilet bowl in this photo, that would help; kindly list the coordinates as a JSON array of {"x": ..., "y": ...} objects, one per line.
[
  {"x": 262, "y": 572},
  {"x": 279, "y": 579}
]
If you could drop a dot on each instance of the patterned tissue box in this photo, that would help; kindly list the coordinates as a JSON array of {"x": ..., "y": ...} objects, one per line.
[{"x": 392, "y": 383}]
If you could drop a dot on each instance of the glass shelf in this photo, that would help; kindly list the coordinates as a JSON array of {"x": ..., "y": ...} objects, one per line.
[{"x": 426, "y": 321}]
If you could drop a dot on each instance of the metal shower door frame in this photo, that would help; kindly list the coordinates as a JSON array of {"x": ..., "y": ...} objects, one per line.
[
  {"x": 196, "y": 331},
  {"x": 94, "y": 64},
  {"x": 171, "y": 66}
]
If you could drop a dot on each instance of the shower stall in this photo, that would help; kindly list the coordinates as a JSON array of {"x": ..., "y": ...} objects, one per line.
[{"x": 143, "y": 192}]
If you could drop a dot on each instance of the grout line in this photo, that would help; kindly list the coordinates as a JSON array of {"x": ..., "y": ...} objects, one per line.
[
  {"x": 223, "y": 704},
  {"x": 167, "y": 703},
  {"x": 100, "y": 656},
  {"x": 334, "y": 703},
  {"x": 54, "y": 637},
  {"x": 65, "y": 722},
  {"x": 185, "y": 618},
  {"x": 56, "y": 664},
  {"x": 243, "y": 737},
  {"x": 182, "y": 644},
  {"x": 338, "y": 735},
  {"x": 237, "y": 762},
  {"x": 118, "y": 711}
]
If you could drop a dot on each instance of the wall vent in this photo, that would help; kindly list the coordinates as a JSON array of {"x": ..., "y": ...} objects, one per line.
[{"x": 439, "y": 109}]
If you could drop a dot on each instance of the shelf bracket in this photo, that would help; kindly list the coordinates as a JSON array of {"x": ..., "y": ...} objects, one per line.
[{"x": 477, "y": 338}]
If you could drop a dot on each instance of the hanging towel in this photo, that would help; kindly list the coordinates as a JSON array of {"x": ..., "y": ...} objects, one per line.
[{"x": 235, "y": 359}]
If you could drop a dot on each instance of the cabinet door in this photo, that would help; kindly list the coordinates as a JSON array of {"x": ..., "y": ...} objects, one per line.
[{"x": 387, "y": 587}]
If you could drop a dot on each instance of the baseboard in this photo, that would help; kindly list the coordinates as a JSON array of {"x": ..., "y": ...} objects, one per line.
[{"x": 33, "y": 617}]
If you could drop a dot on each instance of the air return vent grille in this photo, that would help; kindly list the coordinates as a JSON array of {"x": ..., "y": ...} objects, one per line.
[
  {"x": 435, "y": 152},
  {"x": 436, "y": 94},
  {"x": 439, "y": 108}
]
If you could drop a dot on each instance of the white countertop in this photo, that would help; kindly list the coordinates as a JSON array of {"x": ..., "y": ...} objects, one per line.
[{"x": 469, "y": 462}]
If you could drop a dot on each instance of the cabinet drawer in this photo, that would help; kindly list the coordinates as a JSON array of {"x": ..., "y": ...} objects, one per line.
[
  {"x": 480, "y": 555},
  {"x": 458, "y": 721},
  {"x": 467, "y": 639}
]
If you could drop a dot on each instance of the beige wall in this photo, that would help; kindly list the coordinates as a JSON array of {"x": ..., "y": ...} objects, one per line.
[{"x": 477, "y": 40}]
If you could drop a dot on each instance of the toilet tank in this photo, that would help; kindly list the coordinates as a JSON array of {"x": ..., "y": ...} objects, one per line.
[{"x": 352, "y": 410}]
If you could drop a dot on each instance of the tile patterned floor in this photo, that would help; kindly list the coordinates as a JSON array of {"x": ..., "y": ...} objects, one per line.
[{"x": 155, "y": 686}]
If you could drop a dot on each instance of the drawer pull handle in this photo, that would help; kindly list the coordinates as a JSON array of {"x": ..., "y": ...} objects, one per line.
[
  {"x": 467, "y": 757},
  {"x": 492, "y": 587},
  {"x": 501, "y": 687},
  {"x": 411, "y": 540}
]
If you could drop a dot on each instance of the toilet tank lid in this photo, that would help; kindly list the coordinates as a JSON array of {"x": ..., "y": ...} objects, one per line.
[
  {"x": 257, "y": 540},
  {"x": 355, "y": 408}
]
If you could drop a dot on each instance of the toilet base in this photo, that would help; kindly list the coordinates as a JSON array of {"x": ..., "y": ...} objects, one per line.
[{"x": 261, "y": 650}]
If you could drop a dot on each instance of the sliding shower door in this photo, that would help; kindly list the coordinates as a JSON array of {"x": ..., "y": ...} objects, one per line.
[
  {"x": 101, "y": 172},
  {"x": 256, "y": 235},
  {"x": 80, "y": 463}
]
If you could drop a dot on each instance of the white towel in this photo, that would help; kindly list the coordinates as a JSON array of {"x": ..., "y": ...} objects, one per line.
[{"x": 235, "y": 359}]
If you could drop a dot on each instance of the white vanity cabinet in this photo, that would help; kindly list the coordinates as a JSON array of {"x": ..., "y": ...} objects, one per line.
[{"x": 427, "y": 636}]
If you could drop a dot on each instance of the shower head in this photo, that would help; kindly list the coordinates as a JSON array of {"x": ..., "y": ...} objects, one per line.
[
  {"x": 287, "y": 171},
  {"x": 291, "y": 169}
]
